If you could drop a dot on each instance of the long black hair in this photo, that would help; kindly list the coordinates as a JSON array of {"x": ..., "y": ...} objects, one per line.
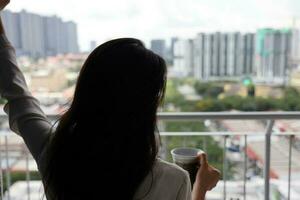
[{"x": 105, "y": 143}]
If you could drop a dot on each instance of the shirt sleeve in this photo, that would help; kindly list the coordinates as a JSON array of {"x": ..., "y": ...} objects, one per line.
[
  {"x": 25, "y": 115},
  {"x": 185, "y": 191}
]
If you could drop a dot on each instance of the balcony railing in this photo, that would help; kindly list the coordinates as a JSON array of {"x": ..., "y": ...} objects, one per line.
[{"x": 18, "y": 150}]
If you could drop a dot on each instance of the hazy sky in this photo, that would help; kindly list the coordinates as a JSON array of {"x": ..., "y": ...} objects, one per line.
[{"x": 146, "y": 19}]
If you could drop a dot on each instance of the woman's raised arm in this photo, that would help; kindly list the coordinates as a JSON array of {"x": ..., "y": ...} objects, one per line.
[{"x": 25, "y": 115}]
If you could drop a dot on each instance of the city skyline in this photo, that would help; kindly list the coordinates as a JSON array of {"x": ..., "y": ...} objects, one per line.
[
  {"x": 269, "y": 55},
  {"x": 102, "y": 20}
]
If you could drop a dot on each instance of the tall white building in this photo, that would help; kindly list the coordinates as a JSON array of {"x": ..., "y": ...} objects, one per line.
[
  {"x": 295, "y": 49},
  {"x": 223, "y": 55},
  {"x": 234, "y": 52},
  {"x": 171, "y": 50},
  {"x": 208, "y": 55},
  {"x": 71, "y": 37},
  {"x": 183, "y": 58},
  {"x": 198, "y": 58},
  {"x": 220, "y": 55},
  {"x": 32, "y": 35},
  {"x": 53, "y": 35},
  {"x": 248, "y": 57}
]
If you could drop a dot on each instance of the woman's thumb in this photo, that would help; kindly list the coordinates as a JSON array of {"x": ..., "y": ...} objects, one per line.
[{"x": 203, "y": 158}]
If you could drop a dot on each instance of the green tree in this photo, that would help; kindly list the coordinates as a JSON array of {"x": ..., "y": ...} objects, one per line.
[
  {"x": 209, "y": 105},
  {"x": 201, "y": 87},
  {"x": 2, "y": 101},
  {"x": 214, "y": 91},
  {"x": 206, "y": 89},
  {"x": 248, "y": 104},
  {"x": 232, "y": 102},
  {"x": 173, "y": 96}
]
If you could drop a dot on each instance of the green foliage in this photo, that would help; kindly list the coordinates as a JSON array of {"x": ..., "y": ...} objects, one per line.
[
  {"x": 214, "y": 91},
  {"x": 248, "y": 105},
  {"x": 174, "y": 126},
  {"x": 262, "y": 104},
  {"x": 232, "y": 102},
  {"x": 288, "y": 103},
  {"x": 209, "y": 105},
  {"x": 291, "y": 92},
  {"x": 211, "y": 91},
  {"x": 173, "y": 96},
  {"x": 20, "y": 176},
  {"x": 208, "y": 89},
  {"x": 201, "y": 87}
]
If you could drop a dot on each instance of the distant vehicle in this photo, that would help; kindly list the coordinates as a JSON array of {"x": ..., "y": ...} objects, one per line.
[{"x": 234, "y": 148}]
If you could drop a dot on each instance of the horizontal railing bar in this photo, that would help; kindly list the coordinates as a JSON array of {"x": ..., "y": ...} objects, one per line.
[
  {"x": 224, "y": 133},
  {"x": 215, "y": 115},
  {"x": 183, "y": 133},
  {"x": 229, "y": 115},
  {"x": 221, "y": 115},
  {"x": 210, "y": 133}
]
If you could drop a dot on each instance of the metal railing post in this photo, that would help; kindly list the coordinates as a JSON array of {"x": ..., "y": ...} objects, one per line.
[
  {"x": 1, "y": 173},
  {"x": 290, "y": 166},
  {"x": 8, "y": 178},
  {"x": 245, "y": 166},
  {"x": 268, "y": 159},
  {"x": 27, "y": 174},
  {"x": 224, "y": 167}
]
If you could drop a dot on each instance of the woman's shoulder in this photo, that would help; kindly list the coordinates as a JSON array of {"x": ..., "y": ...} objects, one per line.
[
  {"x": 169, "y": 173},
  {"x": 163, "y": 182},
  {"x": 169, "y": 169}
]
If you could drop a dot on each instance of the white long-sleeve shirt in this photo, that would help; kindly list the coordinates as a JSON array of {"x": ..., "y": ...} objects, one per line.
[{"x": 165, "y": 182}]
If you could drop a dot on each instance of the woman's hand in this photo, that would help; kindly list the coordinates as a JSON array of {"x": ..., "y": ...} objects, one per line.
[
  {"x": 207, "y": 178},
  {"x": 3, "y": 4}
]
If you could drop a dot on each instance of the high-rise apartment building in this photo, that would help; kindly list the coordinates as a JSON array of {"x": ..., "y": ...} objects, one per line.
[
  {"x": 223, "y": 51},
  {"x": 273, "y": 54},
  {"x": 171, "y": 50},
  {"x": 37, "y": 36},
  {"x": 215, "y": 67},
  {"x": 159, "y": 47},
  {"x": 11, "y": 22},
  {"x": 234, "y": 49},
  {"x": 53, "y": 35},
  {"x": 200, "y": 72},
  {"x": 248, "y": 54},
  {"x": 183, "y": 58},
  {"x": 70, "y": 35},
  {"x": 295, "y": 48},
  {"x": 32, "y": 35},
  {"x": 223, "y": 55}
]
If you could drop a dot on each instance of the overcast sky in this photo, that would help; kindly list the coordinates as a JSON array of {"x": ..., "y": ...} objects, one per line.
[{"x": 101, "y": 20}]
